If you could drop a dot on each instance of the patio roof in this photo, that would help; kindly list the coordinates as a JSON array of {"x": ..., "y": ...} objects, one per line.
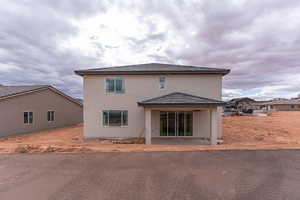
[{"x": 180, "y": 99}]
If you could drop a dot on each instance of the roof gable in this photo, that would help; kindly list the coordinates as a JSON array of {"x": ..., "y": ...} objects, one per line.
[
  {"x": 179, "y": 98},
  {"x": 12, "y": 91}
]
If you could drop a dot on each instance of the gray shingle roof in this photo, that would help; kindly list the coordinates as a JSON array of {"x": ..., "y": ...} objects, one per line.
[
  {"x": 178, "y": 98},
  {"x": 153, "y": 68},
  {"x": 12, "y": 90}
]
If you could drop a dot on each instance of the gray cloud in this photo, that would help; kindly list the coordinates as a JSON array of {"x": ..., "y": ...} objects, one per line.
[
  {"x": 29, "y": 40},
  {"x": 248, "y": 38},
  {"x": 258, "y": 40}
]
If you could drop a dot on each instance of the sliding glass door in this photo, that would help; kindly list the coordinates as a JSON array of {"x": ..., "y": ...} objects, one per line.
[{"x": 176, "y": 123}]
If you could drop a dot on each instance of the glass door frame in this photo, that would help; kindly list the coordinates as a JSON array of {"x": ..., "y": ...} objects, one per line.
[{"x": 161, "y": 134}]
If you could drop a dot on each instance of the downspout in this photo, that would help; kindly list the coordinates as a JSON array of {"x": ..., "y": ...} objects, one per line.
[{"x": 210, "y": 124}]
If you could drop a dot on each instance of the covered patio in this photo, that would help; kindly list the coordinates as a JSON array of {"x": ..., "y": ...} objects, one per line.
[{"x": 180, "y": 118}]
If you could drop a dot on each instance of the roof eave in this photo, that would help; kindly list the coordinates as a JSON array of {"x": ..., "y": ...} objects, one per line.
[
  {"x": 41, "y": 89},
  {"x": 181, "y": 104},
  {"x": 24, "y": 92},
  {"x": 82, "y": 73}
]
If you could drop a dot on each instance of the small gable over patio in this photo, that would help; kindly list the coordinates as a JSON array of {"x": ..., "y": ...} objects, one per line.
[{"x": 180, "y": 99}]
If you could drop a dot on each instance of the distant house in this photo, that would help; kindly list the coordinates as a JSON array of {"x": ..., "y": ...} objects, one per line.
[
  {"x": 26, "y": 109},
  {"x": 158, "y": 101},
  {"x": 241, "y": 104},
  {"x": 280, "y": 105},
  {"x": 297, "y": 98}
]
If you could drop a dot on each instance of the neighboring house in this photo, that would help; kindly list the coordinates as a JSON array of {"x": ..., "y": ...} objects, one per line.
[
  {"x": 297, "y": 98},
  {"x": 242, "y": 104},
  {"x": 33, "y": 108},
  {"x": 153, "y": 100},
  {"x": 280, "y": 105}
]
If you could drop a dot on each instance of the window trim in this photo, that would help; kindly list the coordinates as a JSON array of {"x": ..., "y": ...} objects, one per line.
[
  {"x": 122, "y": 117},
  {"x": 28, "y": 121},
  {"x": 53, "y": 116},
  {"x": 115, "y": 91},
  {"x": 164, "y": 83}
]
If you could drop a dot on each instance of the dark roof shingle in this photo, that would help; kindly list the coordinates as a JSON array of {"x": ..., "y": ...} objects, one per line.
[
  {"x": 12, "y": 90},
  {"x": 179, "y": 98},
  {"x": 153, "y": 68}
]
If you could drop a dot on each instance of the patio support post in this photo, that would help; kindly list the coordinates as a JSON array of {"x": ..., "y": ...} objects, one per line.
[
  {"x": 214, "y": 126},
  {"x": 148, "y": 125}
]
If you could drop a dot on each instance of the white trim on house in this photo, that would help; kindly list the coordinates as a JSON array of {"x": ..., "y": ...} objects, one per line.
[
  {"x": 115, "y": 85},
  {"x": 164, "y": 83},
  {"x": 50, "y": 111},
  {"x": 28, "y": 117},
  {"x": 108, "y": 126}
]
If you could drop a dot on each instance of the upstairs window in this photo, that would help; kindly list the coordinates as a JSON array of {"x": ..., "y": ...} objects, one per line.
[
  {"x": 115, "y": 85},
  {"x": 162, "y": 81},
  {"x": 50, "y": 116},
  {"x": 28, "y": 117},
  {"x": 115, "y": 117}
]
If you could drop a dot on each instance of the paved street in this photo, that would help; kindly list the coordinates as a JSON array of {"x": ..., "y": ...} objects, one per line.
[{"x": 157, "y": 175}]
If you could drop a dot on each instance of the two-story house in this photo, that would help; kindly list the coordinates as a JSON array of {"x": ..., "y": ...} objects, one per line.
[{"x": 157, "y": 100}]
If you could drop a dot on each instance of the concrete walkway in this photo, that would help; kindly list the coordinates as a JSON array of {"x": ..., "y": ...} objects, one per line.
[{"x": 161, "y": 175}]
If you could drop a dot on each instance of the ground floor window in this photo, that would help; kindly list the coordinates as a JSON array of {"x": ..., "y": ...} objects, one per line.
[
  {"x": 115, "y": 117},
  {"x": 28, "y": 117},
  {"x": 176, "y": 123},
  {"x": 50, "y": 116}
]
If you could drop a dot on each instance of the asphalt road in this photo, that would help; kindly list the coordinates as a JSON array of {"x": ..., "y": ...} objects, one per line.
[{"x": 156, "y": 176}]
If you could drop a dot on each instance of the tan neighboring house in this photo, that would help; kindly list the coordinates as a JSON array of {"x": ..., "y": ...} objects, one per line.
[
  {"x": 26, "y": 109},
  {"x": 155, "y": 101},
  {"x": 280, "y": 105}
]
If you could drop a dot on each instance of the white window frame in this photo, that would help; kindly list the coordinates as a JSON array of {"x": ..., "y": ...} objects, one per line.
[
  {"x": 115, "y": 80},
  {"x": 122, "y": 125},
  {"x": 28, "y": 121},
  {"x": 164, "y": 83},
  {"x": 51, "y": 111}
]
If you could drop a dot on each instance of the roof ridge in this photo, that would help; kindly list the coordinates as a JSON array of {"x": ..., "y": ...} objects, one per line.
[
  {"x": 35, "y": 88},
  {"x": 191, "y": 95},
  {"x": 24, "y": 85},
  {"x": 120, "y": 66},
  {"x": 159, "y": 97},
  {"x": 152, "y": 67}
]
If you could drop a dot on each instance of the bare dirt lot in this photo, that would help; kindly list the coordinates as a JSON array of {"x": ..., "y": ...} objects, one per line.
[{"x": 281, "y": 130}]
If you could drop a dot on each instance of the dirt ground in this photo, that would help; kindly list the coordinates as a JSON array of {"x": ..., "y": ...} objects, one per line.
[{"x": 280, "y": 130}]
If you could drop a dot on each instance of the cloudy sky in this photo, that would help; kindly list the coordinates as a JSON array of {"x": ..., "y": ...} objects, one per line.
[{"x": 44, "y": 41}]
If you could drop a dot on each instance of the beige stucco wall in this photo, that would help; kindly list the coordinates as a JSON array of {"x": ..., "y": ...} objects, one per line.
[
  {"x": 138, "y": 88},
  {"x": 11, "y": 112}
]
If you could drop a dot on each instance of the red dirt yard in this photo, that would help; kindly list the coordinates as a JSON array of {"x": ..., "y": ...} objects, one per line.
[{"x": 278, "y": 131}]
